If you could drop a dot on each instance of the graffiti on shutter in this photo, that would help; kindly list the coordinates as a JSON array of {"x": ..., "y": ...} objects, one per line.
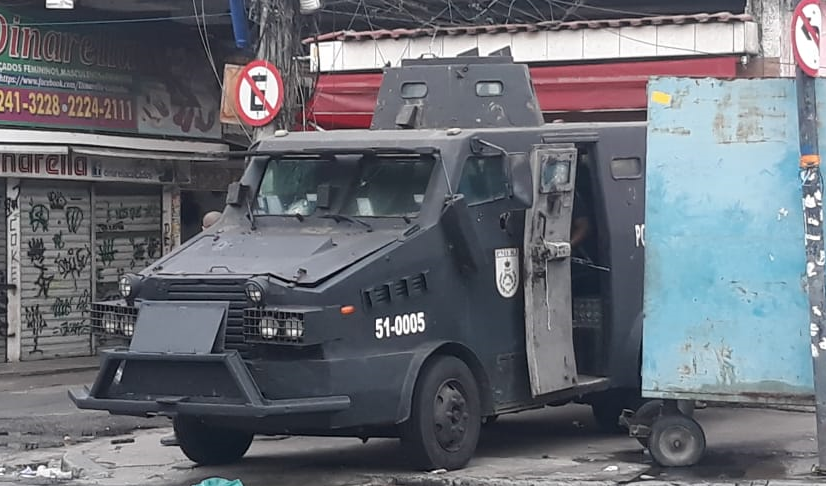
[
  {"x": 56, "y": 257},
  {"x": 127, "y": 237}
]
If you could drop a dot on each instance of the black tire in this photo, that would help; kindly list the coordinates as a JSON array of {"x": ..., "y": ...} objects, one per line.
[
  {"x": 687, "y": 407},
  {"x": 208, "y": 445},
  {"x": 490, "y": 420},
  {"x": 445, "y": 418},
  {"x": 676, "y": 441},
  {"x": 646, "y": 415},
  {"x": 608, "y": 406},
  {"x": 606, "y": 414}
]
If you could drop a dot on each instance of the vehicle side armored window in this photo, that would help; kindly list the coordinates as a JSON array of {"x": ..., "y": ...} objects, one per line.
[{"x": 484, "y": 179}]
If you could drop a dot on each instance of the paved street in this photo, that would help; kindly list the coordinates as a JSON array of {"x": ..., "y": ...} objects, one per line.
[{"x": 551, "y": 444}]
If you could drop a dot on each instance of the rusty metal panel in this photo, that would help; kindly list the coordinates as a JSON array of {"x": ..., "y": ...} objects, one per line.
[{"x": 725, "y": 302}]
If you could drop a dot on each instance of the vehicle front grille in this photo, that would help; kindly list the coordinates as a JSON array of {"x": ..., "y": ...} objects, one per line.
[
  {"x": 273, "y": 326},
  {"x": 231, "y": 291}
]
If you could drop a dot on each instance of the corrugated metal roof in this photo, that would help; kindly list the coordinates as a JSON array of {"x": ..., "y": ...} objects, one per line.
[{"x": 700, "y": 18}]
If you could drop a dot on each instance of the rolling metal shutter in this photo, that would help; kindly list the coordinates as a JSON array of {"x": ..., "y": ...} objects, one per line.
[
  {"x": 128, "y": 233},
  {"x": 56, "y": 260}
]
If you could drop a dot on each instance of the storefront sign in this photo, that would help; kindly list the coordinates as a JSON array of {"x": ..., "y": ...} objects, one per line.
[
  {"x": 84, "y": 168},
  {"x": 93, "y": 79}
]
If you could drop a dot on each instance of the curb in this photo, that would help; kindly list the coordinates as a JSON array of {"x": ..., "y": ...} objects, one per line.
[
  {"x": 53, "y": 371},
  {"x": 434, "y": 480}
]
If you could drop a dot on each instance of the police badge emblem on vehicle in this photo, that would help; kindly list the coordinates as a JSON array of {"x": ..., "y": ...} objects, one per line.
[{"x": 507, "y": 271}]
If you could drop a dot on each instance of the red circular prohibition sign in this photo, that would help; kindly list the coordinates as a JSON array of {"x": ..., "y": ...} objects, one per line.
[
  {"x": 245, "y": 79},
  {"x": 800, "y": 15}
]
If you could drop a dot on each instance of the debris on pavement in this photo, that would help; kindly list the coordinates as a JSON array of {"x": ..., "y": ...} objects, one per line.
[
  {"x": 611, "y": 469},
  {"x": 438, "y": 471},
  {"x": 128, "y": 440},
  {"x": 45, "y": 472}
]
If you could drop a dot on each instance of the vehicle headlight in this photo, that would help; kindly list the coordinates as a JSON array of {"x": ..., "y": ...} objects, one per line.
[
  {"x": 128, "y": 328},
  {"x": 269, "y": 328},
  {"x": 293, "y": 328},
  {"x": 254, "y": 291},
  {"x": 110, "y": 322},
  {"x": 128, "y": 285}
]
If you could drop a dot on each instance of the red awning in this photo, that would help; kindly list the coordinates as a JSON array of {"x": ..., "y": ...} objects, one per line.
[{"x": 346, "y": 100}]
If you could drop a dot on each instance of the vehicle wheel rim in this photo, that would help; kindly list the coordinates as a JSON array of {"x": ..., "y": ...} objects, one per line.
[
  {"x": 678, "y": 444},
  {"x": 451, "y": 415}
]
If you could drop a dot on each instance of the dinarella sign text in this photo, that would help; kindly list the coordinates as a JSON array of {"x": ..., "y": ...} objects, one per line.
[{"x": 63, "y": 48}]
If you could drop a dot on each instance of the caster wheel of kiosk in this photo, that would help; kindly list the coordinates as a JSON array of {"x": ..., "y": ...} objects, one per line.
[
  {"x": 676, "y": 441},
  {"x": 445, "y": 419},
  {"x": 646, "y": 415},
  {"x": 208, "y": 445}
]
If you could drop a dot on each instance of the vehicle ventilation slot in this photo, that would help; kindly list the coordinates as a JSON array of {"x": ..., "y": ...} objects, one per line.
[
  {"x": 400, "y": 288},
  {"x": 404, "y": 287},
  {"x": 418, "y": 284}
]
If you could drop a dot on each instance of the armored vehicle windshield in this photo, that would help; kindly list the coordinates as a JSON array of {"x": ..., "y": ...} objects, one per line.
[{"x": 360, "y": 185}]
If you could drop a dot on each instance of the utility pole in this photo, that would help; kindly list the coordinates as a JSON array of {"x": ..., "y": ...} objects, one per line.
[
  {"x": 805, "y": 36},
  {"x": 280, "y": 29}
]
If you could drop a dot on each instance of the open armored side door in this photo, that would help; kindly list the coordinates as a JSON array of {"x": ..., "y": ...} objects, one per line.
[{"x": 548, "y": 321}]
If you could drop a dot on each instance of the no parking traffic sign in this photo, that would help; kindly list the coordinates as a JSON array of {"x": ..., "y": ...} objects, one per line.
[
  {"x": 807, "y": 21},
  {"x": 259, "y": 93}
]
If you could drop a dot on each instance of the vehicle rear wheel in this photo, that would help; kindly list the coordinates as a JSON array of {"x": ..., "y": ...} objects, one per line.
[
  {"x": 209, "y": 445},
  {"x": 445, "y": 419},
  {"x": 608, "y": 407}
]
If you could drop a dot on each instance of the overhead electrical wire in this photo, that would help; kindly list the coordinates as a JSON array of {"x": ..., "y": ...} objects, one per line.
[{"x": 204, "y": 35}]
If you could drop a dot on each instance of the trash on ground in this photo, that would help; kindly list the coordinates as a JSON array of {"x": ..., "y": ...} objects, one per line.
[
  {"x": 646, "y": 477},
  {"x": 438, "y": 471},
  {"x": 129, "y": 440},
  {"x": 219, "y": 482},
  {"x": 611, "y": 469},
  {"x": 45, "y": 472}
]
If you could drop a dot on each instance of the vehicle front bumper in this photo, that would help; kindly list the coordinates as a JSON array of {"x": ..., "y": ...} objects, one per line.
[{"x": 218, "y": 385}]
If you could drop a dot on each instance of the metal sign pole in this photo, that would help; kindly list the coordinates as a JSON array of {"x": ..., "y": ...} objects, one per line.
[
  {"x": 815, "y": 257},
  {"x": 805, "y": 36}
]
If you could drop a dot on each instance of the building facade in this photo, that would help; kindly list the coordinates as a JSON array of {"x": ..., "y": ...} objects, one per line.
[{"x": 103, "y": 131}]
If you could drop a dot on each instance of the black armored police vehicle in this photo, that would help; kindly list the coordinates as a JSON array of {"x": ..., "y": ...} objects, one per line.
[{"x": 459, "y": 260}]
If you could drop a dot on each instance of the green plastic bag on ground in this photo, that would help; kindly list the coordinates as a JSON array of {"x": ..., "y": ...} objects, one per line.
[{"x": 219, "y": 482}]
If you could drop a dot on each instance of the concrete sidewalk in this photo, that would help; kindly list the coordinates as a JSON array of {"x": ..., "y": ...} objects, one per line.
[{"x": 49, "y": 366}]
